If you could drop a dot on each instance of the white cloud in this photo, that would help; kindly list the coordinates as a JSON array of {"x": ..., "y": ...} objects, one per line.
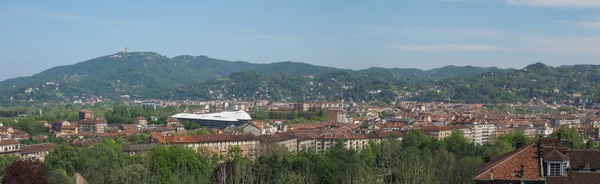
[
  {"x": 448, "y": 47},
  {"x": 555, "y": 3}
]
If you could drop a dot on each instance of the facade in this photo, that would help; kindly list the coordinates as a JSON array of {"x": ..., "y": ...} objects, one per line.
[
  {"x": 337, "y": 116},
  {"x": 479, "y": 133},
  {"x": 568, "y": 121},
  {"x": 9, "y": 146},
  {"x": 286, "y": 140},
  {"x": 96, "y": 125},
  {"x": 213, "y": 144},
  {"x": 439, "y": 132},
  {"x": 64, "y": 127},
  {"x": 354, "y": 141},
  {"x": 140, "y": 120},
  {"x": 256, "y": 128},
  {"x": 36, "y": 151},
  {"x": 306, "y": 141}
]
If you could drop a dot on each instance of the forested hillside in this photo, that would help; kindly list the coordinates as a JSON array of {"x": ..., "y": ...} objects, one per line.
[{"x": 147, "y": 75}]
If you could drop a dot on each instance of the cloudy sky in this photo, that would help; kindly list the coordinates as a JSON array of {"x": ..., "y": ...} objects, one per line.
[{"x": 355, "y": 34}]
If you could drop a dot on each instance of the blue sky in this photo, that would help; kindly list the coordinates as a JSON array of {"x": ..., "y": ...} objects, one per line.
[{"x": 425, "y": 34}]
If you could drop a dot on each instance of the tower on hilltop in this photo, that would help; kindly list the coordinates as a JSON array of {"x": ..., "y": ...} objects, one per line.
[{"x": 126, "y": 50}]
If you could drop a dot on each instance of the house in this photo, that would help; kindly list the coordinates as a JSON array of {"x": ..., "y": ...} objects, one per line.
[
  {"x": 140, "y": 120},
  {"x": 138, "y": 149},
  {"x": 36, "y": 151},
  {"x": 64, "y": 127},
  {"x": 257, "y": 128},
  {"x": 547, "y": 161},
  {"x": 9, "y": 146}
]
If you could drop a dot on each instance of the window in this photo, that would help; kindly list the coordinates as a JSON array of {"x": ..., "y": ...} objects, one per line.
[{"x": 555, "y": 169}]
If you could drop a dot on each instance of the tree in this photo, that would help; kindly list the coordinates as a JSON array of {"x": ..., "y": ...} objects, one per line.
[
  {"x": 62, "y": 157},
  {"x": 27, "y": 171},
  {"x": 6, "y": 161},
  {"x": 59, "y": 176},
  {"x": 572, "y": 136}
]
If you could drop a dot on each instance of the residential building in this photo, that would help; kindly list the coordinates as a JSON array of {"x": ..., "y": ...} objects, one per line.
[
  {"x": 287, "y": 140},
  {"x": 306, "y": 141},
  {"x": 479, "y": 133},
  {"x": 36, "y": 151},
  {"x": 214, "y": 143},
  {"x": 568, "y": 121},
  {"x": 337, "y": 116},
  {"x": 9, "y": 146},
  {"x": 140, "y": 120},
  {"x": 96, "y": 125},
  {"x": 439, "y": 132}
]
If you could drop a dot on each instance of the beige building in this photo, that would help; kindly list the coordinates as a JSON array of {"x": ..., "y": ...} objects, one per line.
[
  {"x": 214, "y": 143},
  {"x": 36, "y": 151},
  {"x": 439, "y": 132},
  {"x": 9, "y": 146}
]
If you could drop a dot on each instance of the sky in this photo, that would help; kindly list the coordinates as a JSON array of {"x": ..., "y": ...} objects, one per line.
[{"x": 353, "y": 34}]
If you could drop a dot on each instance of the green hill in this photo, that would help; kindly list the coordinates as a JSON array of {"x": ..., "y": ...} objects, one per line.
[{"x": 148, "y": 75}]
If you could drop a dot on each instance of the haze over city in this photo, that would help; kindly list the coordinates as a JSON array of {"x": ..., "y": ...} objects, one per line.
[{"x": 425, "y": 34}]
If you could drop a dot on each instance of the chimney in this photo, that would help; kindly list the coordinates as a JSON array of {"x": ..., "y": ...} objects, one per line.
[{"x": 486, "y": 159}]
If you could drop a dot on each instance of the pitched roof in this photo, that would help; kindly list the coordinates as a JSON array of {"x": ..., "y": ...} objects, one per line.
[
  {"x": 37, "y": 147},
  {"x": 278, "y": 137},
  {"x": 172, "y": 120},
  {"x": 140, "y": 118},
  {"x": 579, "y": 158},
  {"x": 555, "y": 155},
  {"x": 575, "y": 178},
  {"x": 8, "y": 142},
  {"x": 508, "y": 166}
]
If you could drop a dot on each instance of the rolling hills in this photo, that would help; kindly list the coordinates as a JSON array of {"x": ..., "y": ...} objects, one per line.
[{"x": 146, "y": 75}]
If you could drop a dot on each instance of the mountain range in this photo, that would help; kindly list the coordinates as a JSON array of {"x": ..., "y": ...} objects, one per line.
[{"x": 145, "y": 75}]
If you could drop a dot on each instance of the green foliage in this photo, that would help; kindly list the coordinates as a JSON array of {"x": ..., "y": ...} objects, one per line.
[
  {"x": 5, "y": 161},
  {"x": 571, "y": 135},
  {"x": 139, "y": 138}
]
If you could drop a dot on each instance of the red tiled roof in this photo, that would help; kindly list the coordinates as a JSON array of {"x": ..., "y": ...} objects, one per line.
[
  {"x": 579, "y": 158},
  {"x": 140, "y": 118},
  {"x": 507, "y": 167},
  {"x": 8, "y": 142},
  {"x": 555, "y": 155},
  {"x": 575, "y": 178},
  {"x": 37, "y": 148}
]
